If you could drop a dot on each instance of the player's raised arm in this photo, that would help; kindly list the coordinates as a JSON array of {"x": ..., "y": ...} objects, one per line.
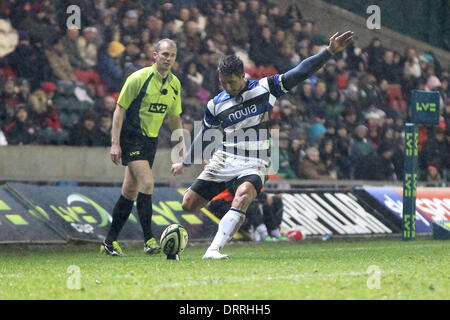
[
  {"x": 309, "y": 66},
  {"x": 209, "y": 122}
]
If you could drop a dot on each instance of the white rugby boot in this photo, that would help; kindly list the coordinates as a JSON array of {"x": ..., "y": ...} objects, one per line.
[{"x": 215, "y": 255}]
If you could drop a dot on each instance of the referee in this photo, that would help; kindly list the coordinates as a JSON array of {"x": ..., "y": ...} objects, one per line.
[{"x": 146, "y": 97}]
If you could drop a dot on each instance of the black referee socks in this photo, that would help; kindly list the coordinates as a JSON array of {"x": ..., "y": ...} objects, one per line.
[
  {"x": 145, "y": 211},
  {"x": 120, "y": 215}
]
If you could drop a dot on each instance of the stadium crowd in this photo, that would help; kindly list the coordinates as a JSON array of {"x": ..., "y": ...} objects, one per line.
[{"x": 59, "y": 85}]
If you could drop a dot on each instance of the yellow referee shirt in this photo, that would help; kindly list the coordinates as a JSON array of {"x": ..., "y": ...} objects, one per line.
[{"x": 147, "y": 98}]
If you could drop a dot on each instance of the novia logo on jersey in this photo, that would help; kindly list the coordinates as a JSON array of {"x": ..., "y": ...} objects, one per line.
[{"x": 243, "y": 113}]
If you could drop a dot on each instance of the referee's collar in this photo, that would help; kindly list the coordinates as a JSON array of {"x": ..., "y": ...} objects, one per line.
[{"x": 169, "y": 76}]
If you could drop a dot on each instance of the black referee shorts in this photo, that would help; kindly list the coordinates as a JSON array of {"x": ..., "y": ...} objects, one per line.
[{"x": 138, "y": 147}]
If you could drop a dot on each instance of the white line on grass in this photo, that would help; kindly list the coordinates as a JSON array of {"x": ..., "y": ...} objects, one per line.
[{"x": 293, "y": 277}]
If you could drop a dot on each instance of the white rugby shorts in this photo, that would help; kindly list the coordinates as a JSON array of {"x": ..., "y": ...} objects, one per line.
[{"x": 225, "y": 166}]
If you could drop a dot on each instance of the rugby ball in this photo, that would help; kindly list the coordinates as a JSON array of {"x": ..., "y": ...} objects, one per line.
[
  {"x": 295, "y": 235},
  {"x": 174, "y": 239}
]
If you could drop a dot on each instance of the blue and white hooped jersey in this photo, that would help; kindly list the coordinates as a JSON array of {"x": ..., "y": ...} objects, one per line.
[{"x": 244, "y": 117}]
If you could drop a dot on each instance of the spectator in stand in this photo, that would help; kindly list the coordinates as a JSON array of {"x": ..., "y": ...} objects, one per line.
[
  {"x": 343, "y": 149},
  {"x": 303, "y": 49},
  {"x": 312, "y": 168},
  {"x": 432, "y": 175},
  {"x": 59, "y": 61},
  {"x": 192, "y": 91},
  {"x": 214, "y": 25},
  {"x": 318, "y": 103},
  {"x": 352, "y": 98},
  {"x": 291, "y": 14},
  {"x": 389, "y": 135},
  {"x": 328, "y": 155},
  {"x": 361, "y": 147},
  {"x": 434, "y": 84},
  {"x": 305, "y": 98},
  {"x": 374, "y": 55},
  {"x": 130, "y": 27},
  {"x": 316, "y": 132},
  {"x": 8, "y": 100},
  {"x": 24, "y": 91},
  {"x": 446, "y": 175},
  {"x": 377, "y": 165},
  {"x": 355, "y": 58},
  {"x": 388, "y": 69},
  {"x": 334, "y": 106},
  {"x": 297, "y": 151},
  {"x": 331, "y": 128},
  {"x": 369, "y": 93},
  {"x": 107, "y": 29},
  {"x": 276, "y": 20},
  {"x": 434, "y": 152},
  {"x": 237, "y": 31},
  {"x": 104, "y": 130},
  {"x": 19, "y": 131},
  {"x": 156, "y": 28},
  {"x": 85, "y": 133},
  {"x": 285, "y": 171},
  {"x": 109, "y": 65},
  {"x": 106, "y": 105},
  {"x": 445, "y": 88},
  {"x": 44, "y": 116},
  {"x": 69, "y": 42},
  {"x": 28, "y": 61},
  {"x": 206, "y": 64},
  {"x": 293, "y": 33},
  {"x": 411, "y": 65},
  {"x": 288, "y": 114},
  {"x": 446, "y": 113},
  {"x": 252, "y": 13},
  {"x": 350, "y": 118},
  {"x": 4, "y": 119},
  {"x": 184, "y": 16},
  {"x": 374, "y": 124},
  {"x": 272, "y": 206},
  {"x": 38, "y": 24},
  {"x": 262, "y": 50},
  {"x": 307, "y": 30},
  {"x": 129, "y": 58},
  {"x": 146, "y": 38},
  {"x": 286, "y": 58},
  {"x": 330, "y": 75},
  {"x": 86, "y": 46},
  {"x": 194, "y": 40}
]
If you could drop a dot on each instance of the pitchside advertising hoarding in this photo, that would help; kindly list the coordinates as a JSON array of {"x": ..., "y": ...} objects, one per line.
[
  {"x": 30, "y": 213},
  {"x": 84, "y": 213},
  {"x": 432, "y": 204},
  {"x": 18, "y": 224},
  {"x": 333, "y": 213}
]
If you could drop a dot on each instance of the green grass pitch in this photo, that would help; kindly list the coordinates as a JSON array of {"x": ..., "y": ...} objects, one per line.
[{"x": 381, "y": 269}]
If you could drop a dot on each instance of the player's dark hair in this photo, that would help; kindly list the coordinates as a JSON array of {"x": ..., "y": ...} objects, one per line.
[{"x": 229, "y": 65}]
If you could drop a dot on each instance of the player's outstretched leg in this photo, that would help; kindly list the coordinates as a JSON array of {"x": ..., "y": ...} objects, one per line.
[
  {"x": 228, "y": 226},
  {"x": 231, "y": 221}
]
